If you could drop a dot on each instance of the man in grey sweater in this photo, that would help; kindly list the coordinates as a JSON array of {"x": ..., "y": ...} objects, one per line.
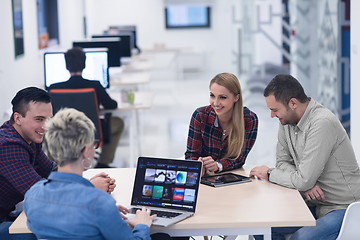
[{"x": 314, "y": 155}]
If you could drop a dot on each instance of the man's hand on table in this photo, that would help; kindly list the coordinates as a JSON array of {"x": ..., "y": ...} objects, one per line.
[
  {"x": 104, "y": 182},
  {"x": 260, "y": 172}
]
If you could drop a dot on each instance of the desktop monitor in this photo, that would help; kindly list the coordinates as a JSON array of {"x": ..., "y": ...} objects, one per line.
[
  {"x": 113, "y": 45},
  {"x": 125, "y": 39},
  {"x": 96, "y": 67},
  {"x": 119, "y": 29},
  {"x": 182, "y": 16}
]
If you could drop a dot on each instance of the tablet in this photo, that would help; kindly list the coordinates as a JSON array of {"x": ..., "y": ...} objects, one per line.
[{"x": 224, "y": 179}]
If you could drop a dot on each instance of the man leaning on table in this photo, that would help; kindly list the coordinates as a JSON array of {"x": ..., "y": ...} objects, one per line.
[
  {"x": 22, "y": 160},
  {"x": 314, "y": 155}
]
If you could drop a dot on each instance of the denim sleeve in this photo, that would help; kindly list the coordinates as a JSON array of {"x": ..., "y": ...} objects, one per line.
[
  {"x": 111, "y": 224},
  {"x": 141, "y": 231}
]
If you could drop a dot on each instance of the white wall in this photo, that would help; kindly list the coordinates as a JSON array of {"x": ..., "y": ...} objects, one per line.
[
  {"x": 70, "y": 15},
  {"x": 149, "y": 17},
  {"x": 218, "y": 42},
  {"x": 355, "y": 76},
  {"x": 27, "y": 70}
]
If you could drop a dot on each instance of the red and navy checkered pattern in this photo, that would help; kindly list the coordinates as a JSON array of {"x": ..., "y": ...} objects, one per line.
[
  {"x": 205, "y": 139},
  {"x": 21, "y": 165}
]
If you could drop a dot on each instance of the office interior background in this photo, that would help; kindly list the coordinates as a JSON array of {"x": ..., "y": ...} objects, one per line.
[{"x": 254, "y": 39}]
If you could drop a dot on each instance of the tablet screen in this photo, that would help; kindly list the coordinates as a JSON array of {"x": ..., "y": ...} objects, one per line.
[{"x": 224, "y": 179}]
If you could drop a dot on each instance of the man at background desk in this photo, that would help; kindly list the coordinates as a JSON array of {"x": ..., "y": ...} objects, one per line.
[
  {"x": 314, "y": 155},
  {"x": 22, "y": 160},
  {"x": 75, "y": 63}
]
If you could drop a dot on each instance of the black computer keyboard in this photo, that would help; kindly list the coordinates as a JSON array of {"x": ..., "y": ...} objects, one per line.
[{"x": 162, "y": 214}]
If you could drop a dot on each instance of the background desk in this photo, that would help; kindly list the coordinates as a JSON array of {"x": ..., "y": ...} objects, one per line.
[
  {"x": 130, "y": 78},
  {"x": 242, "y": 209},
  {"x": 143, "y": 100}
]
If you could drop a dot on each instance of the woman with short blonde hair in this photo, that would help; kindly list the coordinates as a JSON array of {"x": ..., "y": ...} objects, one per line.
[{"x": 66, "y": 205}]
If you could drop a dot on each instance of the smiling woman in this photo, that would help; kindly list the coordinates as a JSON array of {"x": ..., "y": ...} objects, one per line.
[{"x": 223, "y": 133}]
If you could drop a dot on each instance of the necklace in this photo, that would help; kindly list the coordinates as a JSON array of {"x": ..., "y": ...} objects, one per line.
[{"x": 224, "y": 132}]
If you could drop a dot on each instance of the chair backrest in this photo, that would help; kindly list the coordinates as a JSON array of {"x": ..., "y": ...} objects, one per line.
[
  {"x": 350, "y": 228},
  {"x": 84, "y": 100}
]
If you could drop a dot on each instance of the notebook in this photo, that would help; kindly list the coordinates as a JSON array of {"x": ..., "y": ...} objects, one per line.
[{"x": 169, "y": 187}]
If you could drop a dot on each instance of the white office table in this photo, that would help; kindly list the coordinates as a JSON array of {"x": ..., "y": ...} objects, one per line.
[
  {"x": 143, "y": 100},
  {"x": 129, "y": 78},
  {"x": 241, "y": 209},
  {"x": 139, "y": 64}
]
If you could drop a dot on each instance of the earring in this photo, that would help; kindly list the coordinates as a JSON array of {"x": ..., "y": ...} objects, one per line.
[{"x": 83, "y": 163}]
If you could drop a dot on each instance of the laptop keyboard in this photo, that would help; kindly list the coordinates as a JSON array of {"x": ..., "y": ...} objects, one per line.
[{"x": 159, "y": 213}]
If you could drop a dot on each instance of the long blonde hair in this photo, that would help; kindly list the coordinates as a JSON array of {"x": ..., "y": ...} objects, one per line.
[{"x": 236, "y": 135}]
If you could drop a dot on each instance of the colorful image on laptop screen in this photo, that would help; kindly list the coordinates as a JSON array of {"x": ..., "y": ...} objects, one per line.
[{"x": 166, "y": 183}]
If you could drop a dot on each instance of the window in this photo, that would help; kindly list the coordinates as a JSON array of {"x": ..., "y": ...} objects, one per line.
[
  {"x": 187, "y": 16},
  {"x": 48, "y": 27}
]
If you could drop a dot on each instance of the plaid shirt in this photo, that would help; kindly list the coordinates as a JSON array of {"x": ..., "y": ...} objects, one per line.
[
  {"x": 205, "y": 137},
  {"x": 21, "y": 165}
]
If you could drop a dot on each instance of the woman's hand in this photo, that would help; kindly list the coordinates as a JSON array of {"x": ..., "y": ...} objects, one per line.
[
  {"x": 142, "y": 217},
  {"x": 209, "y": 164},
  {"x": 123, "y": 211}
]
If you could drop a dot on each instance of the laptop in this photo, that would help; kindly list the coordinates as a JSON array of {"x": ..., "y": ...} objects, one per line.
[{"x": 168, "y": 187}]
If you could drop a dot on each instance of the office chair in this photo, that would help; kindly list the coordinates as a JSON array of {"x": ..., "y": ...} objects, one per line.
[
  {"x": 84, "y": 100},
  {"x": 350, "y": 229}
]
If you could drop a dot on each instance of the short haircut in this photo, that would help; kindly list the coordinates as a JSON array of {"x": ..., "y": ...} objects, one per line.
[
  {"x": 20, "y": 103},
  {"x": 284, "y": 87},
  {"x": 69, "y": 131},
  {"x": 75, "y": 59}
]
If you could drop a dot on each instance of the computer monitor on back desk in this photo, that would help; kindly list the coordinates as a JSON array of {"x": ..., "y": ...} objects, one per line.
[
  {"x": 113, "y": 44},
  {"x": 96, "y": 67},
  {"x": 126, "y": 42},
  {"x": 119, "y": 29}
]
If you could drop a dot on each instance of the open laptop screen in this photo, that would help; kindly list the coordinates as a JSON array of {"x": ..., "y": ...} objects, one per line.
[
  {"x": 167, "y": 183},
  {"x": 96, "y": 67}
]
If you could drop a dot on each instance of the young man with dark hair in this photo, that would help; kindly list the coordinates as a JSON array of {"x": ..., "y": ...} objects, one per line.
[
  {"x": 22, "y": 160},
  {"x": 314, "y": 155},
  {"x": 75, "y": 63}
]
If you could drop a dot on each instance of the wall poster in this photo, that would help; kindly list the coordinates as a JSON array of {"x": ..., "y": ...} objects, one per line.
[{"x": 18, "y": 27}]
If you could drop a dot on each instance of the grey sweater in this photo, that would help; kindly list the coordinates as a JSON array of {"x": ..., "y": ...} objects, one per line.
[{"x": 318, "y": 151}]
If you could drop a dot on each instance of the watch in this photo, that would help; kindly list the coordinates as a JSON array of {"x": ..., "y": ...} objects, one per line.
[{"x": 220, "y": 166}]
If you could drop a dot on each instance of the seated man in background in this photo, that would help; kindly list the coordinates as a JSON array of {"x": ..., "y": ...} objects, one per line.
[
  {"x": 75, "y": 63},
  {"x": 22, "y": 160},
  {"x": 314, "y": 155}
]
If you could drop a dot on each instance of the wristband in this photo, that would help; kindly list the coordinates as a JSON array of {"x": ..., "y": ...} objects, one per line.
[{"x": 220, "y": 166}]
